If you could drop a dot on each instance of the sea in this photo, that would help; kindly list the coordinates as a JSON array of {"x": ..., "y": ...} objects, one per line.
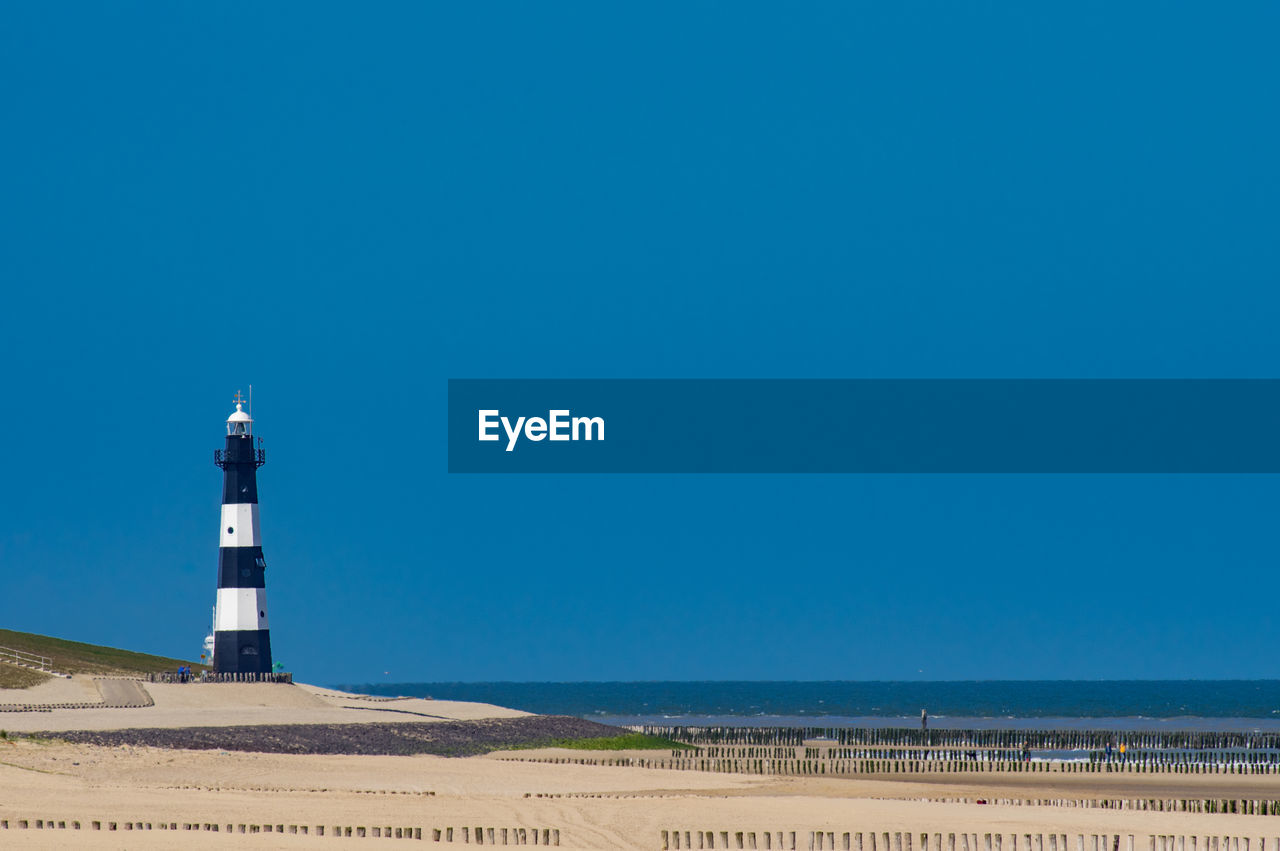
[{"x": 1219, "y": 705}]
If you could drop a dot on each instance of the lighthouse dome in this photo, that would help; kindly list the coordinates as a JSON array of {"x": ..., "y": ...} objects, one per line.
[{"x": 239, "y": 422}]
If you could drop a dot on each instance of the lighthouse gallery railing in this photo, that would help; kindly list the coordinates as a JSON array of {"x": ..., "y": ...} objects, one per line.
[{"x": 257, "y": 457}]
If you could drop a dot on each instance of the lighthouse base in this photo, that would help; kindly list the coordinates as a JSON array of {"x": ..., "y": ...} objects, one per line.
[{"x": 242, "y": 651}]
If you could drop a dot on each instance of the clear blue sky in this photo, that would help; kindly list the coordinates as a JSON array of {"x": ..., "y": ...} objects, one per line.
[{"x": 346, "y": 205}]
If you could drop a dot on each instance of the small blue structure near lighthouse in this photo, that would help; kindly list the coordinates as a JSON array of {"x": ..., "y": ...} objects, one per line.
[{"x": 241, "y": 639}]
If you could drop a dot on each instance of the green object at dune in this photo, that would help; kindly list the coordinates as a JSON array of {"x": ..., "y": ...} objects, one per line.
[{"x": 624, "y": 742}]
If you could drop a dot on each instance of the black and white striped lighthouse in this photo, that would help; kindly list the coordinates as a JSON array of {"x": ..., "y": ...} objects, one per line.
[{"x": 242, "y": 643}]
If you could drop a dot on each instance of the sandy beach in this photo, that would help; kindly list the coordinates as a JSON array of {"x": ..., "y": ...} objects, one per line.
[
  {"x": 225, "y": 704},
  {"x": 585, "y": 806},
  {"x": 591, "y": 807}
]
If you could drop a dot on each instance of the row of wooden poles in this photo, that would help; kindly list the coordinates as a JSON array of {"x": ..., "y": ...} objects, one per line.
[
  {"x": 679, "y": 762},
  {"x": 1233, "y": 806},
  {"x": 948, "y": 754},
  {"x": 211, "y": 677},
  {"x": 899, "y": 736},
  {"x": 465, "y": 835},
  {"x": 820, "y": 840}
]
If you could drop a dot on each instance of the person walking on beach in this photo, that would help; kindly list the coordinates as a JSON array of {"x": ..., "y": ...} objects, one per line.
[
  {"x": 924, "y": 719},
  {"x": 1123, "y": 757}
]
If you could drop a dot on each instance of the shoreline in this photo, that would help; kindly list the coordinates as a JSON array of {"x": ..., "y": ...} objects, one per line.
[{"x": 1183, "y": 723}]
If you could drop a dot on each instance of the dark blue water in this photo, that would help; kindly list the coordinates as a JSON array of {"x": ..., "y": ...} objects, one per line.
[{"x": 1054, "y": 704}]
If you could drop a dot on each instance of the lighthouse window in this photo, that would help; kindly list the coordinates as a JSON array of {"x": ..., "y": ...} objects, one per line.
[{"x": 231, "y": 530}]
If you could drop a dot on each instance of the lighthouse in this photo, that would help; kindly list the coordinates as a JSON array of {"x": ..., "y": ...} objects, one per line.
[{"x": 241, "y": 641}]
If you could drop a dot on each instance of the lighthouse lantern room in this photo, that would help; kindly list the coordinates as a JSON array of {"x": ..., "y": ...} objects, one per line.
[{"x": 242, "y": 643}]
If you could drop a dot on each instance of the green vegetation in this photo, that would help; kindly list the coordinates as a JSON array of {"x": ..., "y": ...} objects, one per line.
[
  {"x": 12, "y": 676},
  {"x": 74, "y": 657},
  {"x": 625, "y": 742}
]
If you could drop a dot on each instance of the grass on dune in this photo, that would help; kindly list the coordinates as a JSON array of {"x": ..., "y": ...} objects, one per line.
[
  {"x": 624, "y": 742},
  {"x": 75, "y": 657},
  {"x": 11, "y": 676}
]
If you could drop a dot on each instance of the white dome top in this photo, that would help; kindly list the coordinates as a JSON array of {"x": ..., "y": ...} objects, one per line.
[{"x": 239, "y": 416}]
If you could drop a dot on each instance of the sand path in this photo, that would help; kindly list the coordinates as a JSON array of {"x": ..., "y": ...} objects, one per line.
[{"x": 56, "y": 690}]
